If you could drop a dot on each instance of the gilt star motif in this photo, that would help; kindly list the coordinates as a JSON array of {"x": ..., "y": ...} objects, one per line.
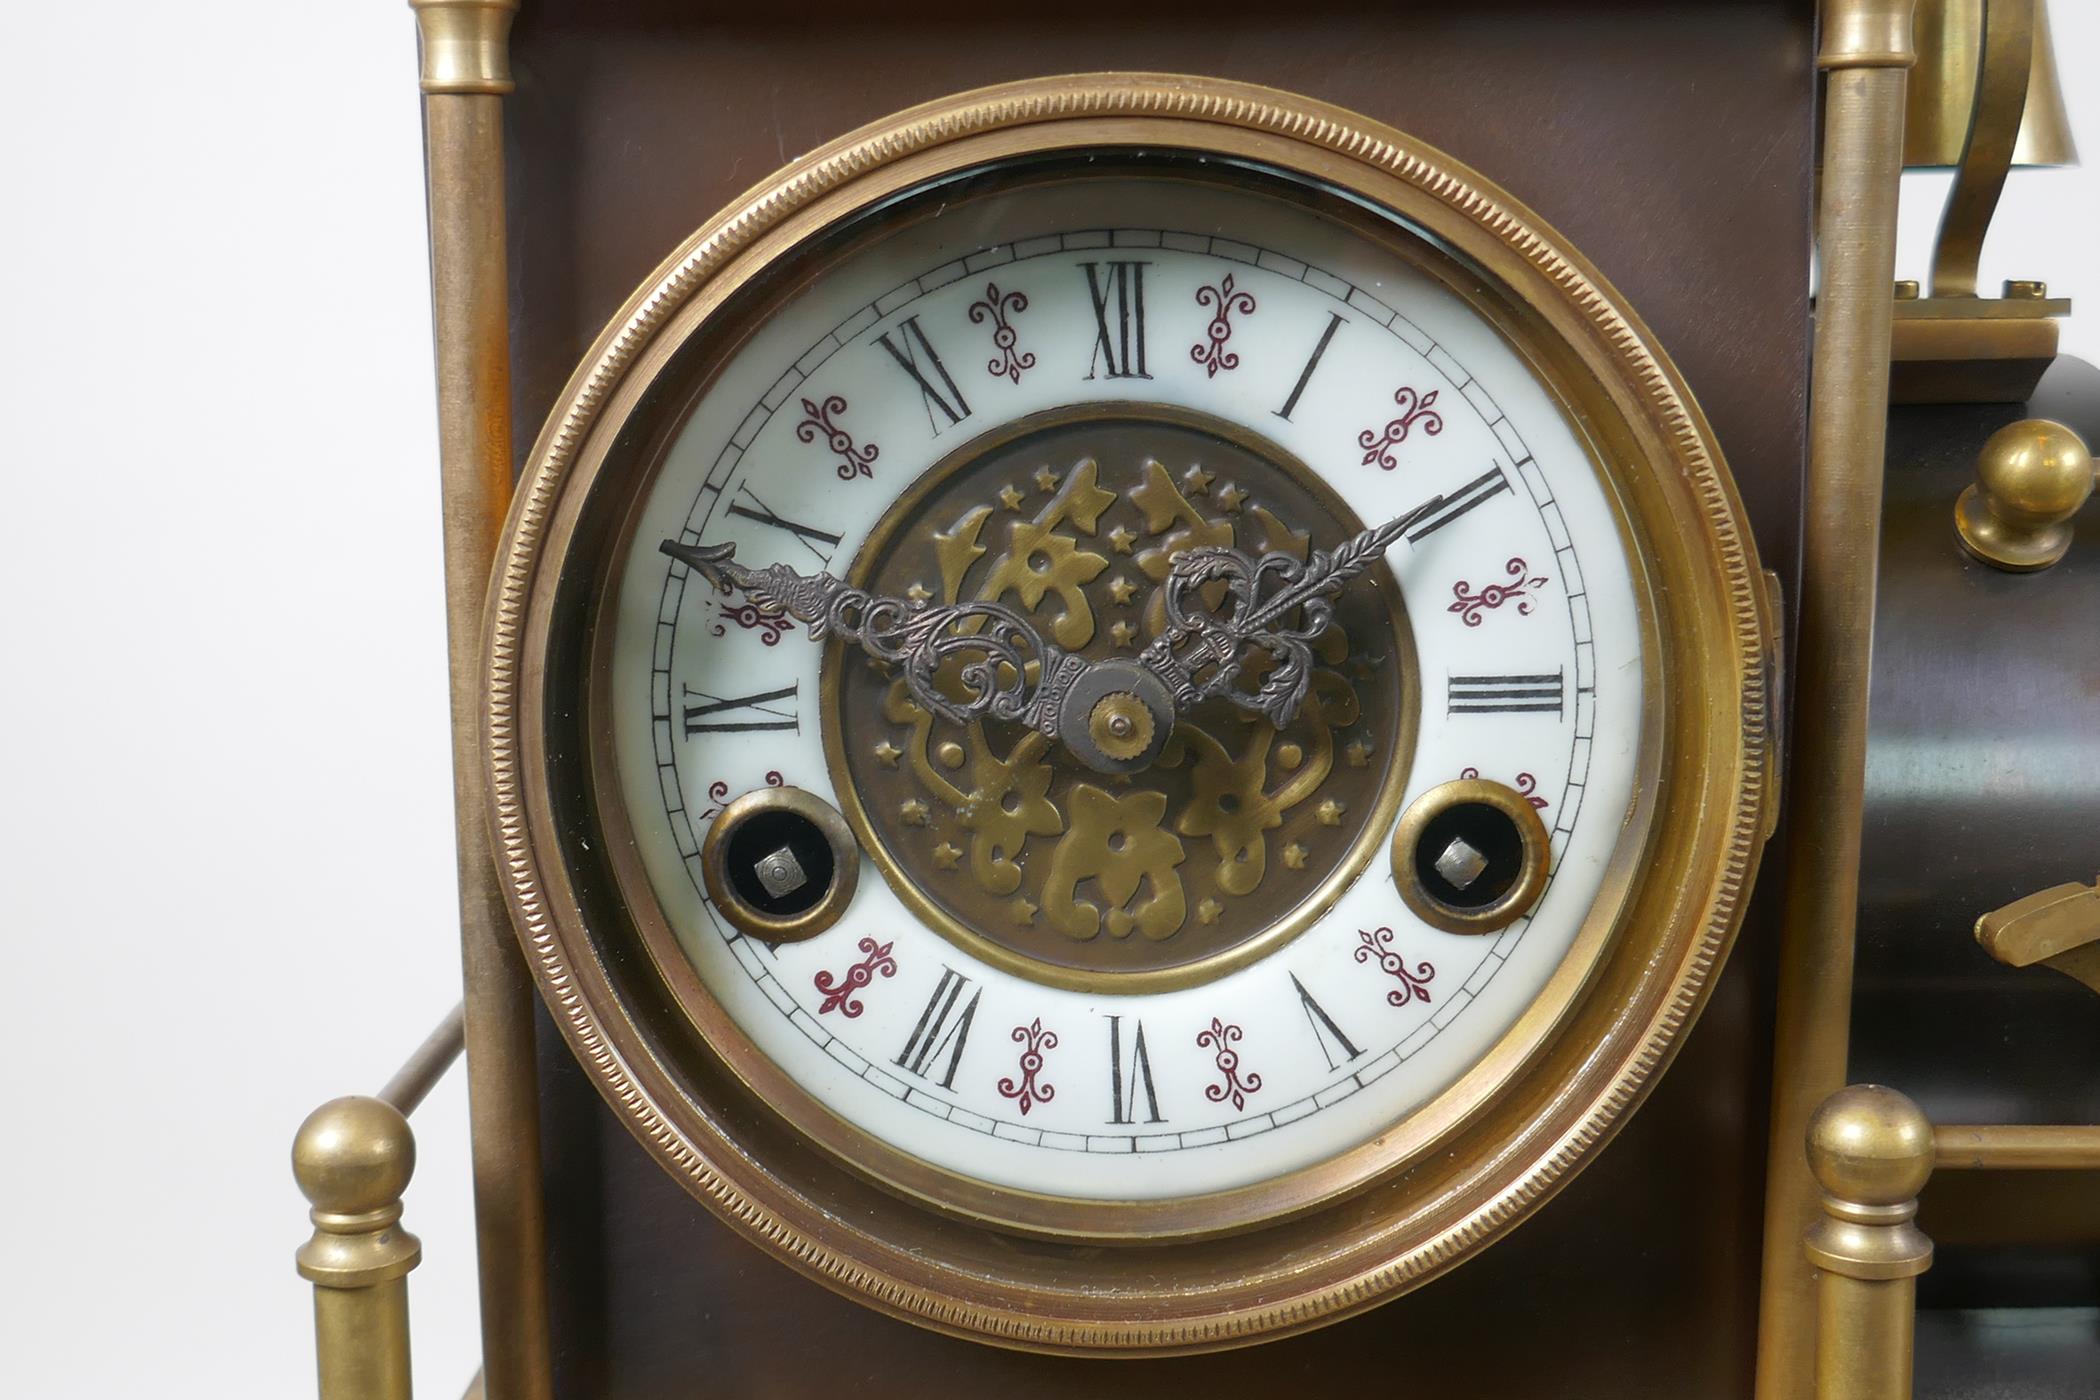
[
  {"x": 1023, "y": 910},
  {"x": 1045, "y": 479},
  {"x": 1011, "y": 497},
  {"x": 887, "y": 754},
  {"x": 1365, "y": 665},
  {"x": 1358, "y": 753},
  {"x": 1197, "y": 481},
  {"x": 1294, "y": 856},
  {"x": 1207, "y": 912},
  {"x": 1122, "y": 590},
  {"x": 945, "y": 856},
  {"x": 1123, "y": 634},
  {"x": 1121, "y": 539},
  {"x": 1230, "y": 498},
  {"x": 913, "y": 812},
  {"x": 918, "y": 592},
  {"x": 1330, "y": 813}
]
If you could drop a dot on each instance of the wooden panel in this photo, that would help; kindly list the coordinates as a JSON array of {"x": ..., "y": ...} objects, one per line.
[{"x": 1671, "y": 143}]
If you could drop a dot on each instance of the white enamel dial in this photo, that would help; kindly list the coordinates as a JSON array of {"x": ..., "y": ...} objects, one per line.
[{"x": 1247, "y": 309}]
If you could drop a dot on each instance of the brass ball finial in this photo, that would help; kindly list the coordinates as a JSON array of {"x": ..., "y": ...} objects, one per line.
[
  {"x": 354, "y": 1156},
  {"x": 2031, "y": 478},
  {"x": 1870, "y": 1146}
]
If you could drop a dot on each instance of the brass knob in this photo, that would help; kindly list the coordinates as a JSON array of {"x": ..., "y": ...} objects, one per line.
[{"x": 2031, "y": 478}]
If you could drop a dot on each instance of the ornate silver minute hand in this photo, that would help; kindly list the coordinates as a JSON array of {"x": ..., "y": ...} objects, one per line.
[
  {"x": 1202, "y": 653},
  {"x": 994, "y": 643}
]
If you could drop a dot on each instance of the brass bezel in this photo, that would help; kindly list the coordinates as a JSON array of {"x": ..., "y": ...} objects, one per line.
[
  {"x": 1573, "y": 1081},
  {"x": 1531, "y": 879},
  {"x": 845, "y": 855}
]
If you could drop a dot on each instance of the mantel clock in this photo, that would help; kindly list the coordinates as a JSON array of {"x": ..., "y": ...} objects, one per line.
[
  {"x": 1135, "y": 663},
  {"x": 1134, "y": 707}
]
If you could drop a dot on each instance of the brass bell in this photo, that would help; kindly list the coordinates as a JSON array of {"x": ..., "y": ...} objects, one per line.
[{"x": 1943, "y": 90}]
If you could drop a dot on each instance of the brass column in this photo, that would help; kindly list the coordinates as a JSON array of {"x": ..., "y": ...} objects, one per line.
[
  {"x": 353, "y": 1158},
  {"x": 465, "y": 72},
  {"x": 1872, "y": 1151},
  {"x": 1866, "y": 50}
]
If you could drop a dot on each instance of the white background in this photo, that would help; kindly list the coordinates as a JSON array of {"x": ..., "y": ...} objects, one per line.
[{"x": 225, "y": 810}]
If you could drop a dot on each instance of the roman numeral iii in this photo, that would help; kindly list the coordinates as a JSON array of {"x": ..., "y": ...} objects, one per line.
[
  {"x": 1504, "y": 695},
  {"x": 941, "y": 1029},
  {"x": 1119, "y": 320}
]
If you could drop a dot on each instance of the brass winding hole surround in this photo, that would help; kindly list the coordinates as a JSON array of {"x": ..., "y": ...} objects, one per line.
[
  {"x": 1526, "y": 884},
  {"x": 824, "y": 828}
]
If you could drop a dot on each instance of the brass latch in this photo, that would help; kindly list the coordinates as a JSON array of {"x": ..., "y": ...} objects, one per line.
[{"x": 2058, "y": 927}]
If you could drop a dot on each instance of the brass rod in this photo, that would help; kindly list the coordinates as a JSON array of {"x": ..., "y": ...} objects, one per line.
[
  {"x": 353, "y": 1157},
  {"x": 2016, "y": 1147},
  {"x": 1870, "y": 1149},
  {"x": 465, "y": 73},
  {"x": 420, "y": 1073},
  {"x": 1866, "y": 50}
]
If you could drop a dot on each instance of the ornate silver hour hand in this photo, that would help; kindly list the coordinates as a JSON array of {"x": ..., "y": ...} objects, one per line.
[
  {"x": 1202, "y": 653},
  {"x": 995, "y": 644}
]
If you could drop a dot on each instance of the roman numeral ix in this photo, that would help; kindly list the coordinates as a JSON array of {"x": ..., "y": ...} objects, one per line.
[
  {"x": 1504, "y": 695},
  {"x": 744, "y": 713},
  {"x": 1118, "y": 297},
  {"x": 943, "y": 397},
  {"x": 941, "y": 1029}
]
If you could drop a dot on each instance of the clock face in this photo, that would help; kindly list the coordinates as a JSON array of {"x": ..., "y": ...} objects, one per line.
[
  {"x": 1198, "y": 976},
  {"x": 1126, "y": 713}
]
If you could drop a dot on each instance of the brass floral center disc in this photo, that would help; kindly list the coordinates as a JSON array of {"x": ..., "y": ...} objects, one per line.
[{"x": 1237, "y": 834}]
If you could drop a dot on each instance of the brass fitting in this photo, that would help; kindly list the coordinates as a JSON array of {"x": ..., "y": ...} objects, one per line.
[{"x": 2031, "y": 478}]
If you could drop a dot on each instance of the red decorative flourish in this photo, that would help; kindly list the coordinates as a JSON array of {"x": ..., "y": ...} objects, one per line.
[
  {"x": 839, "y": 995},
  {"x": 771, "y": 628},
  {"x": 1038, "y": 1042},
  {"x": 1225, "y": 300},
  {"x": 1236, "y": 1086},
  {"x": 996, "y": 307},
  {"x": 1415, "y": 411},
  {"x": 1414, "y": 986},
  {"x": 1469, "y": 604},
  {"x": 816, "y": 421},
  {"x": 718, "y": 792},
  {"x": 1527, "y": 787}
]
